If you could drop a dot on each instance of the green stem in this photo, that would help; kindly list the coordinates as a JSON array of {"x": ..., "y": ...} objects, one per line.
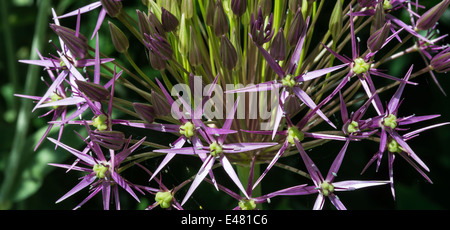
[{"x": 142, "y": 74}]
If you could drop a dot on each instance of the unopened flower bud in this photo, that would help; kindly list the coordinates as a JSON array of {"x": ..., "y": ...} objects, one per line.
[
  {"x": 155, "y": 25},
  {"x": 379, "y": 19},
  {"x": 378, "y": 38},
  {"x": 184, "y": 37},
  {"x": 156, "y": 61},
  {"x": 159, "y": 46},
  {"x": 294, "y": 5},
  {"x": 109, "y": 139},
  {"x": 266, "y": 7},
  {"x": 143, "y": 23},
  {"x": 195, "y": 57},
  {"x": 76, "y": 43},
  {"x": 93, "y": 91},
  {"x": 227, "y": 53},
  {"x": 160, "y": 105},
  {"x": 297, "y": 28},
  {"x": 187, "y": 8},
  {"x": 292, "y": 105},
  {"x": 429, "y": 18},
  {"x": 239, "y": 7},
  {"x": 260, "y": 32},
  {"x": 210, "y": 8},
  {"x": 220, "y": 23},
  {"x": 145, "y": 112},
  {"x": 168, "y": 20},
  {"x": 112, "y": 7},
  {"x": 278, "y": 47},
  {"x": 119, "y": 40},
  {"x": 335, "y": 23},
  {"x": 441, "y": 61}
]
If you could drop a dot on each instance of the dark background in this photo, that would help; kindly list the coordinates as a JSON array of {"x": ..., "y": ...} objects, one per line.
[{"x": 38, "y": 186}]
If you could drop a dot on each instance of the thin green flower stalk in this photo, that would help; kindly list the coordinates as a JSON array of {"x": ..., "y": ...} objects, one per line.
[{"x": 237, "y": 85}]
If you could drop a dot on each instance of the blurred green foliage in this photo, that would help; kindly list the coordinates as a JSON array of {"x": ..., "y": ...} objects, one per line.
[{"x": 37, "y": 186}]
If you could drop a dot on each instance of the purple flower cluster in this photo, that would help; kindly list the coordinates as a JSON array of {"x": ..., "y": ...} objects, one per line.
[{"x": 247, "y": 48}]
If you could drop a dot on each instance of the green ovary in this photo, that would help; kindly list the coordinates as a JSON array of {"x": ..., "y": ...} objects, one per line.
[
  {"x": 394, "y": 147},
  {"x": 187, "y": 129},
  {"x": 55, "y": 97},
  {"x": 246, "y": 204},
  {"x": 353, "y": 127},
  {"x": 360, "y": 66},
  {"x": 164, "y": 199},
  {"x": 99, "y": 122},
  {"x": 326, "y": 188},
  {"x": 390, "y": 121},
  {"x": 100, "y": 171},
  {"x": 215, "y": 149},
  {"x": 288, "y": 81},
  {"x": 294, "y": 133},
  {"x": 387, "y": 5}
]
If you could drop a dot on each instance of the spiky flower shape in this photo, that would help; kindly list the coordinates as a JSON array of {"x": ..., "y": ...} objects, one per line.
[{"x": 237, "y": 85}]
